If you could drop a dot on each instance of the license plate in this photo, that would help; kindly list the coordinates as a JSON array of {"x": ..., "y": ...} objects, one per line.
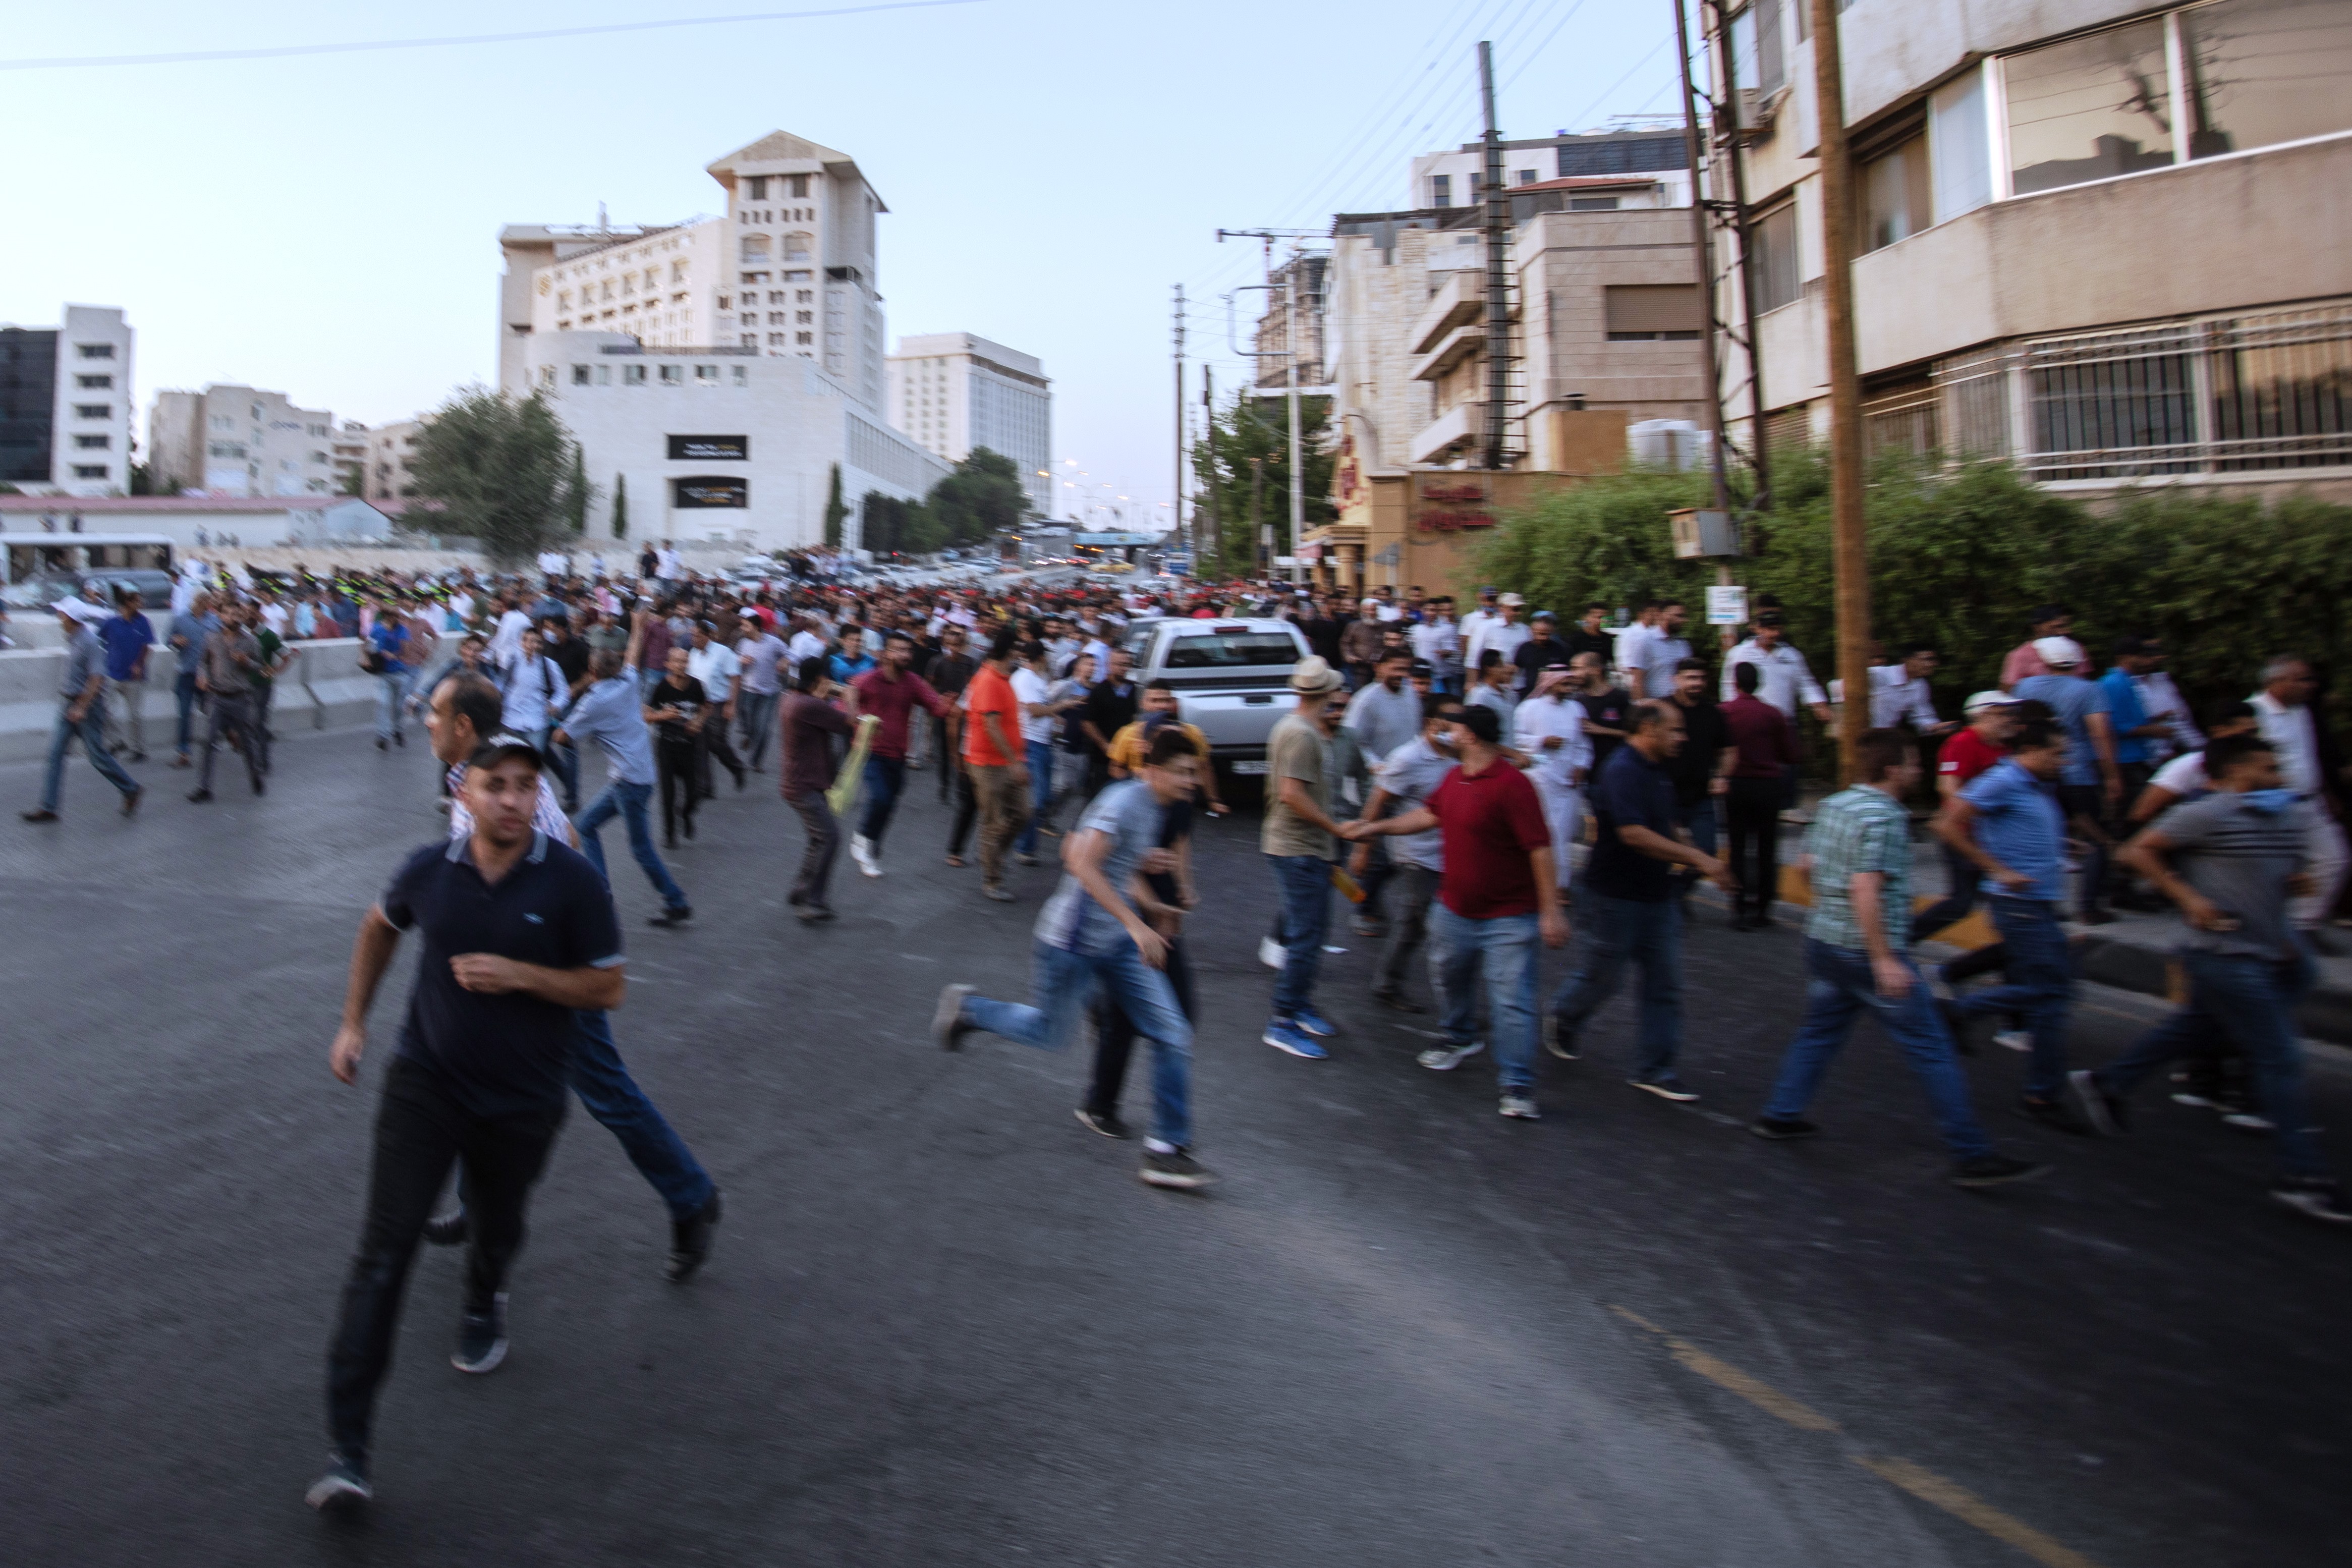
[{"x": 1257, "y": 766}]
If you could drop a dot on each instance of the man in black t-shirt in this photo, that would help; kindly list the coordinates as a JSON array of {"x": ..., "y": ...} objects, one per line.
[
  {"x": 519, "y": 931},
  {"x": 1540, "y": 651},
  {"x": 1585, "y": 635},
  {"x": 1606, "y": 708},
  {"x": 1111, "y": 705}
]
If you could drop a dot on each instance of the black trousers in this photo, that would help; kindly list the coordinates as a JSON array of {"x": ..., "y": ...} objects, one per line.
[
  {"x": 716, "y": 746},
  {"x": 967, "y": 808},
  {"x": 1753, "y": 812},
  {"x": 824, "y": 843},
  {"x": 681, "y": 771},
  {"x": 421, "y": 1129}
]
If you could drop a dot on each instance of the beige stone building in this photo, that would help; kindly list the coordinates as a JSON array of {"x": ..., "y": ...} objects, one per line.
[
  {"x": 232, "y": 440},
  {"x": 2109, "y": 241}
]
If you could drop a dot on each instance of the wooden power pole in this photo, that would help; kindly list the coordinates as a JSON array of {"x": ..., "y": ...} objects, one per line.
[{"x": 1850, "y": 552}]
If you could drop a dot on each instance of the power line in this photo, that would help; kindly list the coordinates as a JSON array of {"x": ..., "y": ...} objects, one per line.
[{"x": 191, "y": 57}]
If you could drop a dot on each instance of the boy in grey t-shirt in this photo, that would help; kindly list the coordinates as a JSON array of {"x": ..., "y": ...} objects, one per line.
[{"x": 2231, "y": 860}]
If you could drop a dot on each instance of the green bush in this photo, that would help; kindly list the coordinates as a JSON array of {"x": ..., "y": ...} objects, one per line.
[{"x": 1960, "y": 557}]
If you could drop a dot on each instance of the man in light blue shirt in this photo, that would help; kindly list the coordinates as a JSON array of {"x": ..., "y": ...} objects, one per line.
[
  {"x": 2010, "y": 826},
  {"x": 612, "y": 713},
  {"x": 2090, "y": 789}
]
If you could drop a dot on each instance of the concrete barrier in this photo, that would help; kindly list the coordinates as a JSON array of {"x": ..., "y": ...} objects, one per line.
[{"x": 323, "y": 688}]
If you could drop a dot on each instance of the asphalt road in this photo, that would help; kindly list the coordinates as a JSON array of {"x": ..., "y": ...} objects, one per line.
[{"x": 945, "y": 1325}]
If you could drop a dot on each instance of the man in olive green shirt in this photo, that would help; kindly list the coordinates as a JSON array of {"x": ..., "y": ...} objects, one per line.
[{"x": 1298, "y": 838}]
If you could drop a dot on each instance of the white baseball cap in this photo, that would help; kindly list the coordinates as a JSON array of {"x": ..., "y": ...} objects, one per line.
[
  {"x": 2059, "y": 653},
  {"x": 1984, "y": 700}
]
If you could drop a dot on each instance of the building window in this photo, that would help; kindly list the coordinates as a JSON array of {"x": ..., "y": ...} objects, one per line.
[
  {"x": 803, "y": 338},
  {"x": 2251, "y": 66},
  {"x": 1777, "y": 279},
  {"x": 760, "y": 188},
  {"x": 797, "y": 245},
  {"x": 673, "y": 375},
  {"x": 1441, "y": 190},
  {"x": 754, "y": 278},
  {"x": 751, "y": 318},
  {"x": 748, "y": 340},
  {"x": 95, "y": 382},
  {"x": 743, "y": 375},
  {"x": 2091, "y": 396},
  {"x": 1525, "y": 176},
  {"x": 2089, "y": 108},
  {"x": 1959, "y": 151},
  {"x": 804, "y": 296},
  {"x": 1759, "y": 56},
  {"x": 93, "y": 410},
  {"x": 1895, "y": 202},
  {"x": 95, "y": 351},
  {"x": 798, "y": 275},
  {"x": 94, "y": 443},
  {"x": 708, "y": 374},
  {"x": 1593, "y": 204},
  {"x": 579, "y": 375},
  {"x": 800, "y": 186},
  {"x": 756, "y": 247},
  {"x": 633, "y": 376},
  {"x": 89, "y": 471}
]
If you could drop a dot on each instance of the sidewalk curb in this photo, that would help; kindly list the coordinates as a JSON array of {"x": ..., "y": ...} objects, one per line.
[{"x": 2326, "y": 1015}]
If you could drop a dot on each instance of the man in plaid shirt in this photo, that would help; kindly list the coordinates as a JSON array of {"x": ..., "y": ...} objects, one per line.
[{"x": 1860, "y": 846}]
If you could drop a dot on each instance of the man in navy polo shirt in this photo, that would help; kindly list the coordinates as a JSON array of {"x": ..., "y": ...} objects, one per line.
[
  {"x": 519, "y": 935},
  {"x": 1634, "y": 916}
]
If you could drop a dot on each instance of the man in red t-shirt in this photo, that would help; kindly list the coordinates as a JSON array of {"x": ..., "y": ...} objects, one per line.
[
  {"x": 1991, "y": 717},
  {"x": 891, "y": 692},
  {"x": 992, "y": 754},
  {"x": 1496, "y": 899}
]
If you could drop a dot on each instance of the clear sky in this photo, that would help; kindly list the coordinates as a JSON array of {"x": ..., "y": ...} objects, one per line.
[{"x": 327, "y": 226}]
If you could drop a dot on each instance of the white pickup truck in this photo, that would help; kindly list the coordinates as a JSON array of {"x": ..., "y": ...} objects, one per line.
[{"x": 1231, "y": 680}]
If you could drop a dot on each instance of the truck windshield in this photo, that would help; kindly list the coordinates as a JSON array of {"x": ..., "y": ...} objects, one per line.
[{"x": 1227, "y": 650}]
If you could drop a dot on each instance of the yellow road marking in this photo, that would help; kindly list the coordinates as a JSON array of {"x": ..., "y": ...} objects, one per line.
[
  {"x": 1965, "y": 1505},
  {"x": 1924, "y": 1484}
]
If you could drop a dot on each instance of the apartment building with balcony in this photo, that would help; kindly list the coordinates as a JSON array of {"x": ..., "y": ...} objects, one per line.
[{"x": 2109, "y": 242}]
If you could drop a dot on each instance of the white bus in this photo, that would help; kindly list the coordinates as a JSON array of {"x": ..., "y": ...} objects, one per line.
[{"x": 39, "y": 569}]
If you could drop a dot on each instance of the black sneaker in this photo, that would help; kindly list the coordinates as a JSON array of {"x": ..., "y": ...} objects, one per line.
[
  {"x": 2105, "y": 1113},
  {"x": 689, "y": 1240},
  {"x": 1782, "y": 1128},
  {"x": 1995, "y": 1169},
  {"x": 345, "y": 1484},
  {"x": 1174, "y": 1169},
  {"x": 198, "y": 796},
  {"x": 1398, "y": 1002},
  {"x": 1665, "y": 1086},
  {"x": 2052, "y": 1115},
  {"x": 672, "y": 919},
  {"x": 482, "y": 1338},
  {"x": 1106, "y": 1122},
  {"x": 2317, "y": 1196},
  {"x": 447, "y": 1230},
  {"x": 38, "y": 813},
  {"x": 948, "y": 1025}
]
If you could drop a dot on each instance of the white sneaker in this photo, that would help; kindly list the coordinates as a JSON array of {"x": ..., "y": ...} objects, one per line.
[
  {"x": 1272, "y": 953},
  {"x": 2014, "y": 1039},
  {"x": 861, "y": 849},
  {"x": 1446, "y": 1059},
  {"x": 1520, "y": 1108}
]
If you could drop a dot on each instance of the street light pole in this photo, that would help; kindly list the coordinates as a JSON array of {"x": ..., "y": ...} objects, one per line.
[{"x": 1850, "y": 549}]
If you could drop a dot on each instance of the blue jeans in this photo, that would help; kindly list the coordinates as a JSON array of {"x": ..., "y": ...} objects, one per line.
[
  {"x": 613, "y": 1098},
  {"x": 1505, "y": 948},
  {"x": 627, "y": 801},
  {"x": 392, "y": 692},
  {"x": 1039, "y": 757},
  {"x": 1064, "y": 982},
  {"x": 1697, "y": 818},
  {"x": 1611, "y": 934},
  {"x": 183, "y": 688},
  {"x": 1838, "y": 986},
  {"x": 886, "y": 778},
  {"x": 2251, "y": 1002},
  {"x": 1305, "y": 882},
  {"x": 2040, "y": 987},
  {"x": 756, "y": 713},
  {"x": 93, "y": 730},
  {"x": 563, "y": 762}
]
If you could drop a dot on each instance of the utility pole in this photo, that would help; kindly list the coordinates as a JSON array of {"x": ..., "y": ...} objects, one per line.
[
  {"x": 1735, "y": 163},
  {"x": 1289, "y": 356},
  {"x": 1215, "y": 539},
  {"x": 1850, "y": 547},
  {"x": 1498, "y": 225},
  {"x": 1703, "y": 259},
  {"x": 1178, "y": 472}
]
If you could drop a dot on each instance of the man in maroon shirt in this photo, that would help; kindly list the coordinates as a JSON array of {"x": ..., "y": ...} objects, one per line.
[
  {"x": 1496, "y": 899},
  {"x": 1766, "y": 749},
  {"x": 891, "y": 692}
]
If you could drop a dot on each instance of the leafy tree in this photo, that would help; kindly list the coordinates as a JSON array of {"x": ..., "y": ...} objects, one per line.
[
  {"x": 982, "y": 498},
  {"x": 889, "y": 526},
  {"x": 835, "y": 511},
  {"x": 620, "y": 506},
  {"x": 1244, "y": 460},
  {"x": 577, "y": 512},
  {"x": 503, "y": 470}
]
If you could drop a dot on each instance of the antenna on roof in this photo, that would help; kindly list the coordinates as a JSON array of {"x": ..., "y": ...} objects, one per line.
[{"x": 604, "y": 224}]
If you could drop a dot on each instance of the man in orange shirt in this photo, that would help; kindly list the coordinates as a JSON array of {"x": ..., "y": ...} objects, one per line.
[{"x": 993, "y": 754}]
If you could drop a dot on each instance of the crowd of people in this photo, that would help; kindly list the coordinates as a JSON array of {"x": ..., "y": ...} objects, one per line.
[{"x": 1473, "y": 789}]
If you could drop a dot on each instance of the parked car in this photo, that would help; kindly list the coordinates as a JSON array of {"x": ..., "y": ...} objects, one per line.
[
  {"x": 98, "y": 587},
  {"x": 1231, "y": 680}
]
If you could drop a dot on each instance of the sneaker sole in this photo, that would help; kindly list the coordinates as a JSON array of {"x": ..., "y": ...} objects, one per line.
[
  {"x": 2092, "y": 1103},
  {"x": 1675, "y": 1096},
  {"x": 1326, "y": 1033},
  {"x": 1091, "y": 1125},
  {"x": 490, "y": 1362},
  {"x": 1777, "y": 1135},
  {"x": 1175, "y": 1183},
  {"x": 1447, "y": 1060},
  {"x": 333, "y": 1492},
  {"x": 1289, "y": 1048},
  {"x": 2312, "y": 1209},
  {"x": 1512, "y": 1115},
  {"x": 948, "y": 1014},
  {"x": 2030, "y": 1173}
]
